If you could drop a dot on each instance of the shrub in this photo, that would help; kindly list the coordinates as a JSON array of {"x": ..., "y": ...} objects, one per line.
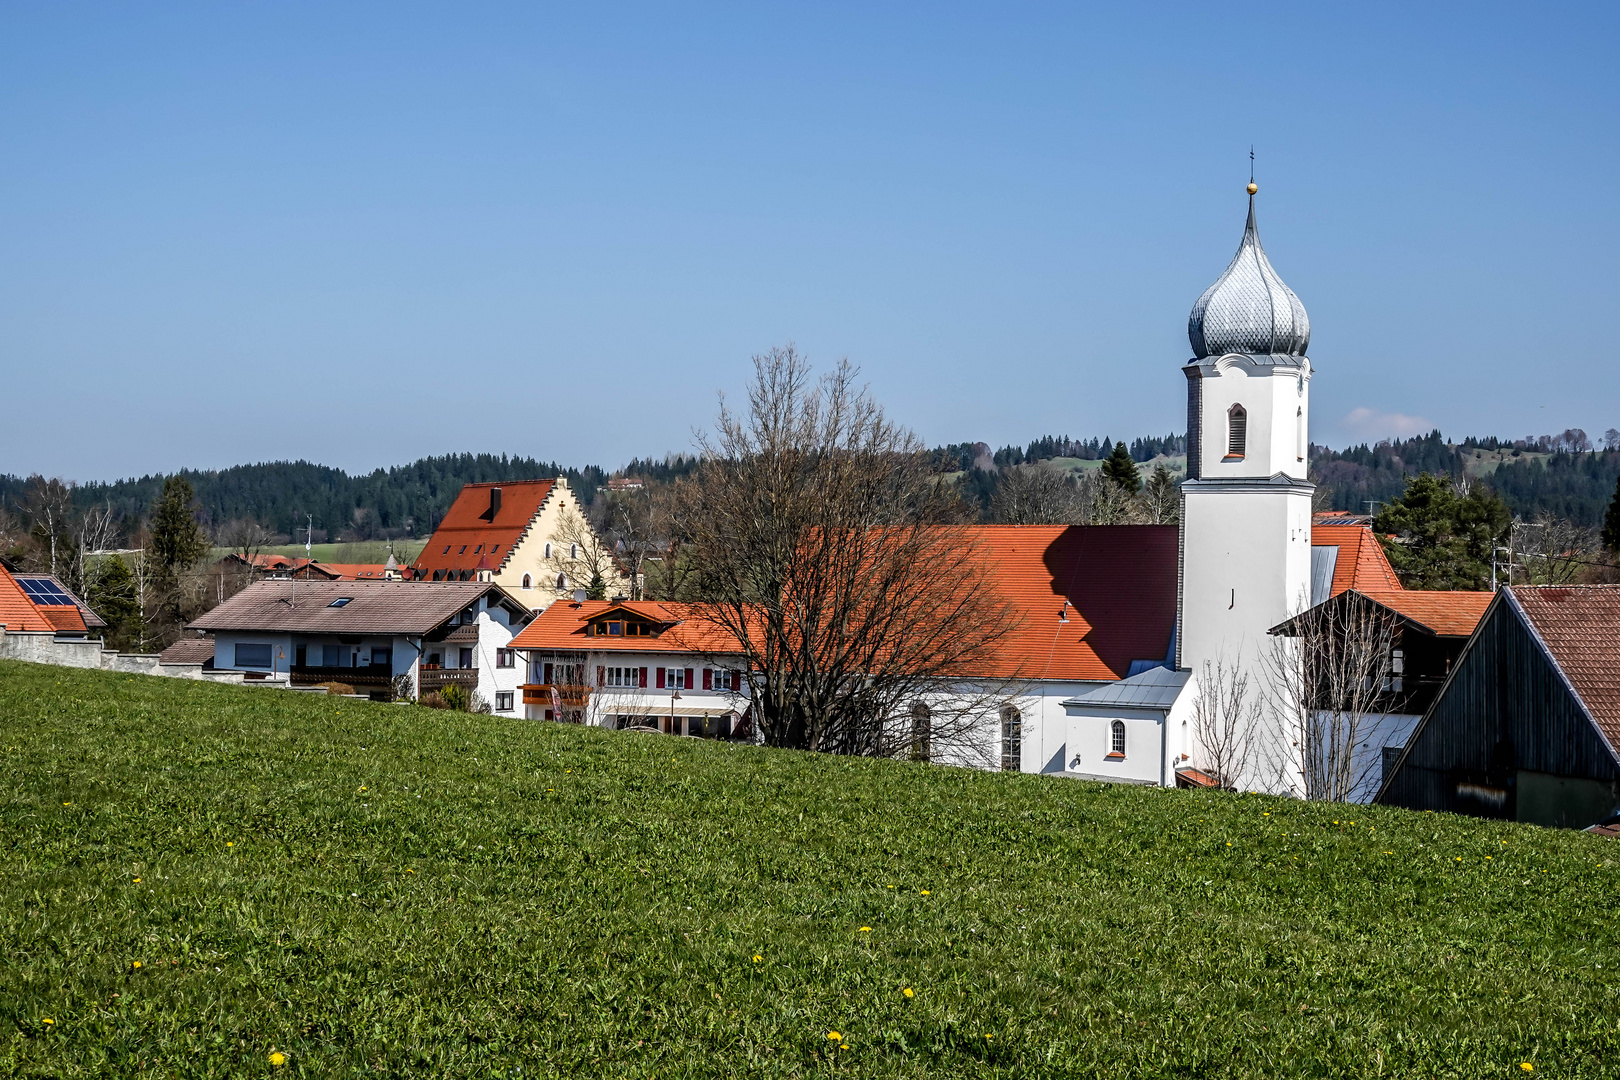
[
  {"x": 455, "y": 698},
  {"x": 337, "y": 688},
  {"x": 433, "y": 700}
]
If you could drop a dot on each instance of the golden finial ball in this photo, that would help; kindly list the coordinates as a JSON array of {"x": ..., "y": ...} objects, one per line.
[{"x": 1253, "y": 188}]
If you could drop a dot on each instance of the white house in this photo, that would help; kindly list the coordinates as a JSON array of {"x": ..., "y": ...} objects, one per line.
[{"x": 365, "y": 634}]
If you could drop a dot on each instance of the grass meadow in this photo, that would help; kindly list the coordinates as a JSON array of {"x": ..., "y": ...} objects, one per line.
[{"x": 202, "y": 880}]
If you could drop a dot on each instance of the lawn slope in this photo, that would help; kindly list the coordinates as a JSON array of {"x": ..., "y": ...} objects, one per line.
[{"x": 197, "y": 877}]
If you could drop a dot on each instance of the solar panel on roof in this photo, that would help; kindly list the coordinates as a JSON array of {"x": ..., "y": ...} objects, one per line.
[{"x": 44, "y": 591}]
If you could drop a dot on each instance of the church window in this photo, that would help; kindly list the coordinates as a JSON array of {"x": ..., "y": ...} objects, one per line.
[
  {"x": 1012, "y": 740},
  {"x": 548, "y": 551},
  {"x": 1237, "y": 431},
  {"x": 528, "y": 582},
  {"x": 1116, "y": 739},
  {"x": 562, "y": 582}
]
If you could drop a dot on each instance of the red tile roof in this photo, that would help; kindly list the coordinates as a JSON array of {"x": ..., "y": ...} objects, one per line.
[
  {"x": 339, "y": 571},
  {"x": 562, "y": 626},
  {"x": 467, "y": 535},
  {"x": 17, "y": 612},
  {"x": 1119, "y": 581},
  {"x": 1362, "y": 564},
  {"x": 1580, "y": 626},
  {"x": 1444, "y": 614},
  {"x": 65, "y": 618}
]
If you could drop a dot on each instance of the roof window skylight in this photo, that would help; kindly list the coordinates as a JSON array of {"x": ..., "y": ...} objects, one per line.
[{"x": 342, "y": 601}]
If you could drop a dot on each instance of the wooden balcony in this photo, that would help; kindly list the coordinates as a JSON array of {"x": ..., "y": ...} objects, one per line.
[
  {"x": 573, "y": 697},
  {"x": 432, "y": 678},
  {"x": 367, "y": 678}
]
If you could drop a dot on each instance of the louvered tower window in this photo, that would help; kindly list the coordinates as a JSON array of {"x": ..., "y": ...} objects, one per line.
[{"x": 1237, "y": 431}]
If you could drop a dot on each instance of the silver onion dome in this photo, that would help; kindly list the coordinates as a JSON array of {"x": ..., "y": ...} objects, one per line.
[{"x": 1249, "y": 309}]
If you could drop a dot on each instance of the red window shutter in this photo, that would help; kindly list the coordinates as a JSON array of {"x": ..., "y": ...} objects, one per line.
[
  {"x": 547, "y": 679},
  {"x": 708, "y": 678},
  {"x": 644, "y": 678},
  {"x": 688, "y": 680},
  {"x": 601, "y": 675},
  {"x": 660, "y": 678}
]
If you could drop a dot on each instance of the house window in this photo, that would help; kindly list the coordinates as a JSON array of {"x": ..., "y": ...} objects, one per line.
[
  {"x": 478, "y": 549},
  {"x": 672, "y": 679},
  {"x": 573, "y": 551},
  {"x": 528, "y": 582},
  {"x": 615, "y": 629},
  {"x": 463, "y": 550},
  {"x": 627, "y": 677},
  {"x": 922, "y": 727},
  {"x": 548, "y": 551},
  {"x": 1116, "y": 739},
  {"x": 252, "y": 656},
  {"x": 466, "y": 658},
  {"x": 724, "y": 681},
  {"x": 562, "y": 582},
  {"x": 1012, "y": 740},
  {"x": 1237, "y": 431},
  {"x": 503, "y": 700},
  {"x": 506, "y": 658},
  {"x": 342, "y": 601}
]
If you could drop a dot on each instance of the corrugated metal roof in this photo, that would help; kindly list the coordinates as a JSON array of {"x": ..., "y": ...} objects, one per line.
[
  {"x": 1156, "y": 688},
  {"x": 375, "y": 607}
]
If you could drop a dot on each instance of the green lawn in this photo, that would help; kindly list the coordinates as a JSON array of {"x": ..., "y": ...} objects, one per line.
[
  {"x": 361, "y": 551},
  {"x": 196, "y": 877}
]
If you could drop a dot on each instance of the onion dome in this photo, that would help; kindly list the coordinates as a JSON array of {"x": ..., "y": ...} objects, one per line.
[{"x": 1249, "y": 309}]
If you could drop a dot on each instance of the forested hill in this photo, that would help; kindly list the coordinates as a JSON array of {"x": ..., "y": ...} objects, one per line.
[
  {"x": 1561, "y": 475},
  {"x": 406, "y": 500}
]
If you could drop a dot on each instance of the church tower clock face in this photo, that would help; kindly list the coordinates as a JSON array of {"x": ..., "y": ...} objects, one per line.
[{"x": 1246, "y": 503}]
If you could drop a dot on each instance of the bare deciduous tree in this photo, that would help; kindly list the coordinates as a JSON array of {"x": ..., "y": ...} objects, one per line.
[
  {"x": 629, "y": 525},
  {"x": 1103, "y": 502},
  {"x": 1161, "y": 499},
  {"x": 247, "y": 540},
  {"x": 1330, "y": 682},
  {"x": 1552, "y": 550},
  {"x": 1225, "y": 718},
  {"x": 822, "y": 541},
  {"x": 587, "y": 562},
  {"x": 1034, "y": 495}
]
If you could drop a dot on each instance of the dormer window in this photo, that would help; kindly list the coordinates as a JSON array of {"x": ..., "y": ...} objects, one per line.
[
  {"x": 1237, "y": 431},
  {"x": 615, "y": 629}
]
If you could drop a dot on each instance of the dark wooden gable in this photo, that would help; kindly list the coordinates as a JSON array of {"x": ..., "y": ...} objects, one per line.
[{"x": 1505, "y": 711}]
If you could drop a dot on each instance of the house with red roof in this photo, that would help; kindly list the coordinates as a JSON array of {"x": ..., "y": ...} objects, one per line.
[{"x": 530, "y": 537}]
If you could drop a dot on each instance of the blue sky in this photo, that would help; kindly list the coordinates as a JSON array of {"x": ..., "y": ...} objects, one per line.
[{"x": 359, "y": 234}]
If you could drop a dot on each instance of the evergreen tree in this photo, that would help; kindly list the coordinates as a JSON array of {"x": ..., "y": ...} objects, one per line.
[
  {"x": 1442, "y": 540},
  {"x": 1119, "y": 468},
  {"x": 178, "y": 543},
  {"x": 111, "y": 594},
  {"x": 1611, "y": 521}
]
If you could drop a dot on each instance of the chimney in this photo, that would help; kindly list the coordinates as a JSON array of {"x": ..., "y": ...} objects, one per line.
[{"x": 494, "y": 504}]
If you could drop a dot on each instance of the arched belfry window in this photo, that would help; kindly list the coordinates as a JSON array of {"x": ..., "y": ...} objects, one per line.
[{"x": 1237, "y": 431}]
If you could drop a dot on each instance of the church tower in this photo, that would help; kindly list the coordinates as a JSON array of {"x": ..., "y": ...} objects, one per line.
[{"x": 1246, "y": 504}]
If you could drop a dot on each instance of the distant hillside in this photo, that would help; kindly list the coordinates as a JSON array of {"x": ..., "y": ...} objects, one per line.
[{"x": 1553, "y": 474}]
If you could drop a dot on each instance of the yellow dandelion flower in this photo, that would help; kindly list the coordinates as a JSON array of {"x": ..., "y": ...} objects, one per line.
[
  {"x": 48, "y": 1020},
  {"x": 758, "y": 958},
  {"x": 908, "y": 992},
  {"x": 1487, "y": 856},
  {"x": 925, "y": 892},
  {"x": 1526, "y": 1066},
  {"x": 137, "y": 881},
  {"x": 230, "y": 843},
  {"x": 277, "y": 1058},
  {"x": 834, "y": 1036},
  {"x": 136, "y": 965},
  {"x": 865, "y": 929}
]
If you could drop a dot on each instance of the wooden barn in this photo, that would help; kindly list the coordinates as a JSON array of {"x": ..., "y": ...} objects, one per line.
[{"x": 1526, "y": 725}]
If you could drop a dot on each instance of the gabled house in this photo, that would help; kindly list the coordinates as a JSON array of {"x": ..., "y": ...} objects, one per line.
[
  {"x": 642, "y": 664},
  {"x": 530, "y": 536},
  {"x": 37, "y": 604},
  {"x": 365, "y": 634},
  {"x": 1527, "y": 724}
]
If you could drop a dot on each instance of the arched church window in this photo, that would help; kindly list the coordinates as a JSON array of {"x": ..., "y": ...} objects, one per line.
[
  {"x": 548, "y": 551},
  {"x": 562, "y": 582},
  {"x": 1116, "y": 737},
  {"x": 1237, "y": 431},
  {"x": 528, "y": 582},
  {"x": 922, "y": 724},
  {"x": 1012, "y": 740}
]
